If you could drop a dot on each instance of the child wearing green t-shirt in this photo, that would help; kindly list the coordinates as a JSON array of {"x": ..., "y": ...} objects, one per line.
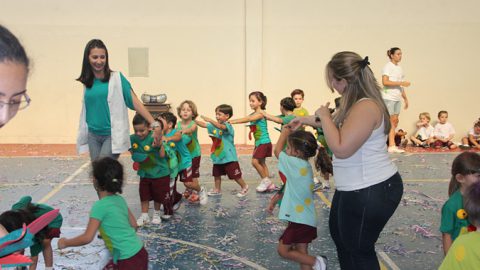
[
  {"x": 111, "y": 215},
  {"x": 25, "y": 212},
  {"x": 223, "y": 152},
  {"x": 465, "y": 172},
  {"x": 151, "y": 165},
  {"x": 297, "y": 200},
  {"x": 287, "y": 105},
  {"x": 263, "y": 145},
  {"x": 187, "y": 111},
  {"x": 465, "y": 250}
]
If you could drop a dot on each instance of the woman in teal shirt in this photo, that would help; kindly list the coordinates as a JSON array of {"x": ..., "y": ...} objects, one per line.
[{"x": 104, "y": 128}]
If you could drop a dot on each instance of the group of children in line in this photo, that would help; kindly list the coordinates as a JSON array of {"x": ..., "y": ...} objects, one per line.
[
  {"x": 178, "y": 157},
  {"x": 439, "y": 136}
]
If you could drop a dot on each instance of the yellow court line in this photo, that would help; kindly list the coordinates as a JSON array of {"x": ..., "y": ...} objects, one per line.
[
  {"x": 65, "y": 182},
  {"x": 329, "y": 204}
]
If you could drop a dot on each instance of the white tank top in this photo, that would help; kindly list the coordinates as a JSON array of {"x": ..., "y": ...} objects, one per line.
[{"x": 368, "y": 166}]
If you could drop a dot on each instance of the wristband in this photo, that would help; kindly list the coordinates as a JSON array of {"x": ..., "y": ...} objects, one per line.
[{"x": 155, "y": 125}]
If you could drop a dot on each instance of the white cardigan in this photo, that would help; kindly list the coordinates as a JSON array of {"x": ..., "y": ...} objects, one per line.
[{"x": 118, "y": 119}]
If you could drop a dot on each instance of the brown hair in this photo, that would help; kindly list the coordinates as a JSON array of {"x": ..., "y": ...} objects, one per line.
[
  {"x": 442, "y": 112},
  {"x": 466, "y": 163},
  {"x": 260, "y": 97},
  {"x": 192, "y": 106},
  {"x": 297, "y": 92},
  {"x": 472, "y": 203}
]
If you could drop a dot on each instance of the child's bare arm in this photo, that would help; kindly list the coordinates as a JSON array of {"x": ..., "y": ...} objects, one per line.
[
  {"x": 190, "y": 130},
  {"x": 215, "y": 123},
  {"x": 162, "y": 151},
  {"x": 83, "y": 239},
  {"x": 175, "y": 137},
  {"x": 201, "y": 123},
  {"x": 282, "y": 140},
  {"x": 447, "y": 242},
  {"x": 247, "y": 119},
  {"x": 273, "y": 118}
]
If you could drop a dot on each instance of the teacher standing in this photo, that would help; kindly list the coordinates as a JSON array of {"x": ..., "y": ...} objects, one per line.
[
  {"x": 368, "y": 185},
  {"x": 104, "y": 127}
]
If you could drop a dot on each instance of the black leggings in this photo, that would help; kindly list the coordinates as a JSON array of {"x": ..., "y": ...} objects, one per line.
[{"x": 357, "y": 218}]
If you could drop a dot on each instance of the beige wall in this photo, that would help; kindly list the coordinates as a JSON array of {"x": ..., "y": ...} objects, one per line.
[{"x": 217, "y": 51}]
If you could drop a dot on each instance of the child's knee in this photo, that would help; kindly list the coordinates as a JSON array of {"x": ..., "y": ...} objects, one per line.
[
  {"x": 255, "y": 162},
  {"x": 282, "y": 251}
]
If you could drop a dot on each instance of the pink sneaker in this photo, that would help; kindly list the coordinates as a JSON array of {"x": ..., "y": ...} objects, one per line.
[{"x": 242, "y": 193}]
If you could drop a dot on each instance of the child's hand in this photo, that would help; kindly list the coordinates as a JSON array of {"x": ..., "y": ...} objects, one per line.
[{"x": 61, "y": 243}]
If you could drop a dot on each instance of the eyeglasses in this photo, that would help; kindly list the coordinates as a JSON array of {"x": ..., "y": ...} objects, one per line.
[{"x": 17, "y": 104}]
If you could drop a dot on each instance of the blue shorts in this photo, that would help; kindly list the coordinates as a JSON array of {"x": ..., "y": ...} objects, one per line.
[{"x": 393, "y": 107}]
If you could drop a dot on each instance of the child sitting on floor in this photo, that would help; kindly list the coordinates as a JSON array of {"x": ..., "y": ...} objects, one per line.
[
  {"x": 424, "y": 135},
  {"x": 473, "y": 137},
  {"x": 443, "y": 132}
]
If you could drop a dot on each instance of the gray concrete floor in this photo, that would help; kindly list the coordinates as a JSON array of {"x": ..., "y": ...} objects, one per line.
[{"x": 230, "y": 233}]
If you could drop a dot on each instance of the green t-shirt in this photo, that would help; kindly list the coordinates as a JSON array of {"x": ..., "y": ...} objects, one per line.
[
  {"x": 321, "y": 139},
  {"x": 172, "y": 160},
  {"x": 286, "y": 118},
  {"x": 96, "y": 105},
  {"x": 260, "y": 131},
  {"x": 464, "y": 254},
  {"x": 183, "y": 155},
  {"x": 223, "y": 148},
  {"x": 297, "y": 202},
  {"x": 151, "y": 164},
  {"x": 191, "y": 140},
  {"x": 300, "y": 112},
  {"x": 112, "y": 212},
  {"x": 450, "y": 223}
]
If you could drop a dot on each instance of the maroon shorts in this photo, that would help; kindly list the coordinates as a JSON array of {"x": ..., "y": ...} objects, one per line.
[
  {"x": 438, "y": 144},
  {"x": 185, "y": 175},
  {"x": 154, "y": 189},
  {"x": 52, "y": 233},
  {"x": 297, "y": 233},
  {"x": 138, "y": 261},
  {"x": 232, "y": 169},
  {"x": 262, "y": 151},
  {"x": 196, "y": 167}
]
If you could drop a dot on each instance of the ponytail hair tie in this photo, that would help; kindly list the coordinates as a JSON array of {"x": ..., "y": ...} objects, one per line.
[
  {"x": 365, "y": 62},
  {"x": 115, "y": 180}
]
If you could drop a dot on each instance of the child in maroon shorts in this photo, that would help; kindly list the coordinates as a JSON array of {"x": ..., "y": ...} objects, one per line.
[
  {"x": 297, "y": 201},
  {"x": 263, "y": 145},
  {"x": 223, "y": 152},
  {"x": 152, "y": 167}
]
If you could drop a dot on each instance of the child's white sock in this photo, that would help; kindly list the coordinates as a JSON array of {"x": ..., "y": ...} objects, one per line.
[
  {"x": 156, "y": 212},
  {"x": 144, "y": 215},
  {"x": 49, "y": 268}
]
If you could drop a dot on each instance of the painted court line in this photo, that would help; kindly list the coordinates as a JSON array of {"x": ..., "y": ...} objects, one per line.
[
  {"x": 240, "y": 259},
  {"x": 384, "y": 256},
  {"x": 61, "y": 185}
]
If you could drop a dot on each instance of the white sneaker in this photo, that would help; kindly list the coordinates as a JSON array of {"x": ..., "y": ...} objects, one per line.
[
  {"x": 156, "y": 219},
  {"x": 242, "y": 193},
  {"x": 176, "y": 206},
  {"x": 264, "y": 185},
  {"x": 143, "y": 220},
  {"x": 320, "y": 263},
  {"x": 166, "y": 217},
  {"x": 203, "y": 196},
  {"x": 394, "y": 149}
]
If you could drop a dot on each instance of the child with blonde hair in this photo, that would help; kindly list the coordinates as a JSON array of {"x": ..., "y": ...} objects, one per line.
[
  {"x": 263, "y": 145},
  {"x": 187, "y": 111},
  {"x": 465, "y": 172},
  {"x": 473, "y": 137},
  {"x": 424, "y": 135}
]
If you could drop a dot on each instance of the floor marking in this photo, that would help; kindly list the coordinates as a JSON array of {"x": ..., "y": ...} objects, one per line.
[
  {"x": 240, "y": 259},
  {"x": 61, "y": 185},
  {"x": 384, "y": 256}
]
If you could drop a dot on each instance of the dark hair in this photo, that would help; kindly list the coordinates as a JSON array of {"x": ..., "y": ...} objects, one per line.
[
  {"x": 86, "y": 76},
  {"x": 139, "y": 120},
  {"x": 392, "y": 51},
  {"x": 471, "y": 203},
  {"x": 477, "y": 123},
  {"x": 304, "y": 142},
  {"x": 466, "y": 163},
  {"x": 108, "y": 174},
  {"x": 226, "y": 109},
  {"x": 323, "y": 161},
  {"x": 287, "y": 104},
  {"x": 442, "y": 112},
  {"x": 260, "y": 97},
  {"x": 337, "y": 102},
  {"x": 11, "y": 49},
  {"x": 169, "y": 118},
  {"x": 14, "y": 219},
  {"x": 297, "y": 92},
  {"x": 192, "y": 106}
]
